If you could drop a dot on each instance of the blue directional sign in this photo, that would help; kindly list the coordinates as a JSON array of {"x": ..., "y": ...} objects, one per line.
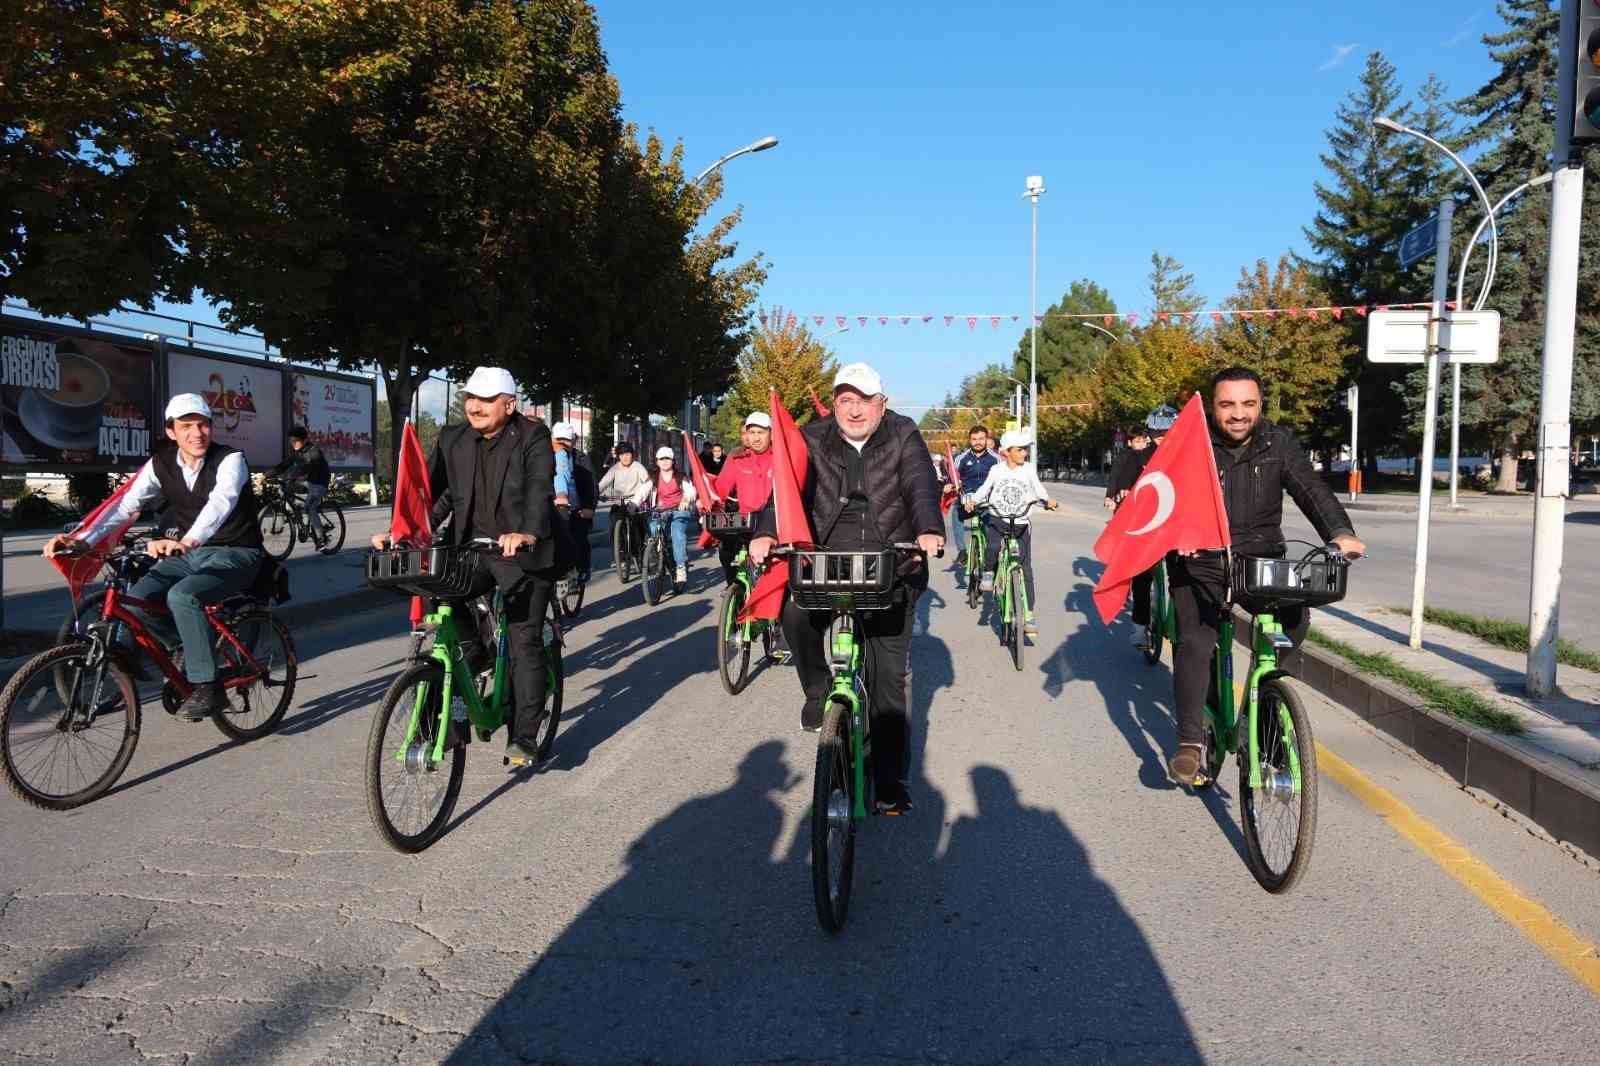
[{"x": 1420, "y": 242}]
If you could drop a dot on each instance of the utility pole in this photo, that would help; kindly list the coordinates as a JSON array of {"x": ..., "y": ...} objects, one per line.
[
  {"x": 1438, "y": 344},
  {"x": 1555, "y": 383},
  {"x": 1353, "y": 395}
]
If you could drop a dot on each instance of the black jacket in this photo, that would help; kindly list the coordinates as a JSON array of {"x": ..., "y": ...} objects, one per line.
[
  {"x": 902, "y": 490},
  {"x": 308, "y": 463},
  {"x": 1129, "y": 464},
  {"x": 1253, "y": 486},
  {"x": 524, "y": 477}
]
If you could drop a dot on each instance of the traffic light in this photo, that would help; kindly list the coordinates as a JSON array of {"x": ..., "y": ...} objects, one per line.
[{"x": 1586, "y": 87}]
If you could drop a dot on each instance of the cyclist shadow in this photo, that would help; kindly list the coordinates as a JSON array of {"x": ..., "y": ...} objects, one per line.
[
  {"x": 706, "y": 948},
  {"x": 325, "y": 708}
]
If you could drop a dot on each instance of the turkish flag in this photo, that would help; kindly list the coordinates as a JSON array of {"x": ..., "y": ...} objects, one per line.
[
  {"x": 702, "y": 487},
  {"x": 789, "y": 457},
  {"x": 1176, "y": 505},
  {"x": 81, "y": 570},
  {"x": 410, "y": 523},
  {"x": 817, "y": 405}
]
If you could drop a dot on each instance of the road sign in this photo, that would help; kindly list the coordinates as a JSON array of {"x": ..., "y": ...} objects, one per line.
[
  {"x": 1420, "y": 242},
  {"x": 1402, "y": 337}
]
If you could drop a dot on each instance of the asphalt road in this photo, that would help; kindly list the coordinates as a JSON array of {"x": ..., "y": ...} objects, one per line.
[{"x": 645, "y": 897}]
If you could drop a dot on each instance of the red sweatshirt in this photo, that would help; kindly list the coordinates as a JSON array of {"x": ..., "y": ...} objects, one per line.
[{"x": 748, "y": 474}]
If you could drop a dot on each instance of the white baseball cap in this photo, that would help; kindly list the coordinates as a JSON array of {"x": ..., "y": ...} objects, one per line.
[
  {"x": 758, "y": 418},
  {"x": 665, "y": 452},
  {"x": 1014, "y": 438},
  {"x": 562, "y": 431},
  {"x": 861, "y": 377},
  {"x": 487, "y": 382},
  {"x": 188, "y": 403}
]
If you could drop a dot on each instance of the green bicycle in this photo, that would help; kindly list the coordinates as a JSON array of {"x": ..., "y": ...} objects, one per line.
[
  {"x": 417, "y": 746},
  {"x": 977, "y": 551},
  {"x": 848, "y": 584},
  {"x": 1163, "y": 623},
  {"x": 1271, "y": 732},
  {"x": 1010, "y": 584},
  {"x": 736, "y": 638}
]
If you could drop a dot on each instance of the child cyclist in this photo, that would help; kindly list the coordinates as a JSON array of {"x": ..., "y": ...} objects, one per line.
[{"x": 1012, "y": 484}]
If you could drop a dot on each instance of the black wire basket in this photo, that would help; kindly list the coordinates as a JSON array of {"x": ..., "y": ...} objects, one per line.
[
  {"x": 1312, "y": 581},
  {"x": 435, "y": 573},
  {"x": 832, "y": 580}
]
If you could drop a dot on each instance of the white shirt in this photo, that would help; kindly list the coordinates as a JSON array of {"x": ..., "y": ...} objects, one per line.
[
  {"x": 1009, "y": 489},
  {"x": 232, "y": 473}
]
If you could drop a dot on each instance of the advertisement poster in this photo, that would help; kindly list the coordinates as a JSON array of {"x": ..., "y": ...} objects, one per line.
[
  {"x": 246, "y": 397},
  {"x": 337, "y": 413},
  {"x": 74, "y": 402}
]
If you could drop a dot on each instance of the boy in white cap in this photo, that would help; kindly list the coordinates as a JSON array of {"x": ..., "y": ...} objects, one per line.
[
  {"x": 1012, "y": 485},
  {"x": 217, "y": 550}
]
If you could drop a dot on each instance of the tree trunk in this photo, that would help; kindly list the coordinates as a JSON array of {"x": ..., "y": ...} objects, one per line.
[
  {"x": 401, "y": 389},
  {"x": 1507, "y": 481}
]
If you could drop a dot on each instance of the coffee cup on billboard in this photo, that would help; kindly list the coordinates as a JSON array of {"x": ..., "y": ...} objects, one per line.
[{"x": 68, "y": 416}]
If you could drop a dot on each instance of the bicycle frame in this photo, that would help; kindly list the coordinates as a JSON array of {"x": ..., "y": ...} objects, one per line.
[
  {"x": 118, "y": 608},
  {"x": 977, "y": 541},
  {"x": 446, "y": 652},
  {"x": 1161, "y": 603},
  {"x": 1010, "y": 559},
  {"x": 741, "y": 573},
  {"x": 844, "y": 653},
  {"x": 1263, "y": 662}
]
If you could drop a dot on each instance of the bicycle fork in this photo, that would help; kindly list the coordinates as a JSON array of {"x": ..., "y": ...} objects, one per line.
[{"x": 845, "y": 656}]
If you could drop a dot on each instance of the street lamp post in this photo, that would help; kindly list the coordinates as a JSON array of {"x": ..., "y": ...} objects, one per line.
[
  {"x": 1035, "y": 187},
  {"x": 1017, "y": 403}
]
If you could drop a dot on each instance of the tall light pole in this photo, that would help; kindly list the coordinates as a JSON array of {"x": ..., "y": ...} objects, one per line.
[
  {"x": 1034, "y": 188},
  {"x": 1018, "y": 402},
  {"x": 754, "y": 146}
]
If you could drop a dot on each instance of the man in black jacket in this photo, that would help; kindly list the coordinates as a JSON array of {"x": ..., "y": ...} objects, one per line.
[
  {"x": 306, "y": 462},
  {"x": 1258, "y": 462},
  {"x": 869, "y": 484}
]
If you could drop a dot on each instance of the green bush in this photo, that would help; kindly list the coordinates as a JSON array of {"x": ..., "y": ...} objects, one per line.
[
  {"x": 33, "y": 510},
  {"x": 88, "y": 491}
]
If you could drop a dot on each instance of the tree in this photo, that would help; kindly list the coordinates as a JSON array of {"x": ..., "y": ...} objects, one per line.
[
  {"x": 1172, "y": 288},
  {"x": 1072, "y": 414},
  {"x": 1066, "y": 345},
  {"x": 782, "y": 354},
  {"x": 1300, "y": 358},
  {"x": 1512, "y": 116},
  {"x": 1164, "y": 365}
]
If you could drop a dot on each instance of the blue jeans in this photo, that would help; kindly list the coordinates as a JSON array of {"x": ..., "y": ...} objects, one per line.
[
  {"x": 188, "y": 583},
  {"x": 314, "y": 494},
  {"x": 678, "y": 530}
]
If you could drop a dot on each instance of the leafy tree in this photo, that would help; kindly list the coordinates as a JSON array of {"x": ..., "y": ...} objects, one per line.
[
  {"x": 1066, "y": 345},
  {"x": 1072, "y": 414},
  {"x": 1300, "y": 358},
  {"x": 1165, "y": 364},
  {"x": 783, "y": 354},
  {"x": 1172, "y": 288}
]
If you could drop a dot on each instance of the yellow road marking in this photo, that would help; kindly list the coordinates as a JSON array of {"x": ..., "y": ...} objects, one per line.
[{"x": 1549, "y": 934}]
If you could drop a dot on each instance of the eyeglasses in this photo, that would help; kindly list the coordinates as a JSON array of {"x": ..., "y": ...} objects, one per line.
[{"x": 849, "y": 402}]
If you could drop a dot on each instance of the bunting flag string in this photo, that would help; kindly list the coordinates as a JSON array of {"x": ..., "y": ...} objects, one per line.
[{"x": 1216, "y": 314}]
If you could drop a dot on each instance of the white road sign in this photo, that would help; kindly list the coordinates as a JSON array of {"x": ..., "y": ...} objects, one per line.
[{"x": 1402, "y": 337}]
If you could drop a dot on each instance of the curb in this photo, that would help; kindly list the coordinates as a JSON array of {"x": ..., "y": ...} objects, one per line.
[{"x": 1552, "y": 797}]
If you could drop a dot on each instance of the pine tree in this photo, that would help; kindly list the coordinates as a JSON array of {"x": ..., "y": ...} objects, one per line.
[
  {"x": 1513, "y": 117},
  {"x": 1172, "y": 288},
  {"x": 1066, "y": 345}
]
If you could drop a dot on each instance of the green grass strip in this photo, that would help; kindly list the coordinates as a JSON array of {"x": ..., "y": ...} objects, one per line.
[
  {"x": 1455, "y": 700},
  {"x": 1503, "y": 633}
]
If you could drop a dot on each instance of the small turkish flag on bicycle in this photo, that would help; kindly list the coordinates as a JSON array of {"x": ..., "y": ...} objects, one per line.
[{"x": 1176, "y": 505}]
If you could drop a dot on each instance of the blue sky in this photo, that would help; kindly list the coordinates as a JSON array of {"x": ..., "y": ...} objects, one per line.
[{"x": 907, "y": 130}]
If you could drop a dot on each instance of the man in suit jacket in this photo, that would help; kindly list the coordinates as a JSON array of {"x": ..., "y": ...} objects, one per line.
[{"x": 495, "y": 477}]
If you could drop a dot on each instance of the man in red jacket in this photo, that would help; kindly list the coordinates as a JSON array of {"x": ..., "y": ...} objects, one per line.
[{"x": 747, "y": 474}]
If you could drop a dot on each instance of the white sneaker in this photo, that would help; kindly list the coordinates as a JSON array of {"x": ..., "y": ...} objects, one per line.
[
  {"x": 683, "y": 575},
  {"x": 987, "y": 585}
]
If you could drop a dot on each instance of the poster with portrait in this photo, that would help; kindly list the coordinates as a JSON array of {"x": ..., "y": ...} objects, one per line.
[
  {"x": 72, "y": 400},
  {"x": 337, "y": 413},
  {"x": 246, "y": 398}
]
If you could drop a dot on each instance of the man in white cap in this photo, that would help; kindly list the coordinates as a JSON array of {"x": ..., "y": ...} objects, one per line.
[
  {"x": 575, "y": 491},
  {"x": 868, "y": 486},
  {"x": 494, "y": 477},
  {"x": 217, "y": 549}
]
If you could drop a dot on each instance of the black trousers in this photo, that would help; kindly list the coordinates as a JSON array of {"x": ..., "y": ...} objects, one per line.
[
  {"x": 1199, "y": 586},
  {"x": 991, "y": 553},
  {"x": 1141, "y": 597},
  {"x": 727, "y": 552},
  {"x": 527, "y": 600},
  {"x": 581, "y": 527},
  {"x": 885, "y": 637}
]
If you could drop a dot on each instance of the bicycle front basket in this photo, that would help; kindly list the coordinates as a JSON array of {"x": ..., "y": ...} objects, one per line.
[
  {"x": 728, "y": 523},
  {"x": 435, "y": 573},
  {"x": 1290, "y": 582},
  {"x": 829, "y": 580}
]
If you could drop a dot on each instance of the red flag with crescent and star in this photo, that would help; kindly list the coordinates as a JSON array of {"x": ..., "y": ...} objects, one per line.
[
  {"x": 789, "y": 458},
  {"x": 1176, "y": 505}
]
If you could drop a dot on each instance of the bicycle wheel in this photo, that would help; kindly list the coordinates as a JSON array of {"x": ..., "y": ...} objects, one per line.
[
  {"x": 331, "y": 516},
  {"x": 974, "y": 571},
  {"x": 53, "y": 752},
  {"x": 833, "y": 826},
  {"x": 653, "y": 572},
  {"x": 1280, "y": 819},
  {"x": 84, "y": 612},
  {"x": 256, "y": 709},
  {"x": 1153, "y": 630},
  {"x": 733, "y": 651},
  {"x": 277, "y": 530},
  {"x": 619, "y": 547},
  {"x": 1014, "y": 638},
  {"x": 571, "y": 594},
  {"x": 555, "y": 690},
  {"x": 409, "y": 796}
]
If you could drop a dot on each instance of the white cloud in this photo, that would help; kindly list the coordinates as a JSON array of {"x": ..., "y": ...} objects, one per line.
[{"x": 1341, "y": 52}]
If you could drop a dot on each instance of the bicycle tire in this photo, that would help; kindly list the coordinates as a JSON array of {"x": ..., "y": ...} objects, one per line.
[
  {"x": 652, "y": 572},
  {"x": 974, "y": 572},
  {"x": 621, "y": 550},
  {"x": 732, "y": 648},
  {"x": 555, "y": 691},
  {"x": 833, "y": 824},
  {"x": 1017, "y": 641},
  {"x": 44, "y": 667},
  {"x": 331, "y": 544},
  {"x": 383, "y": 741},
  {"x": 572, "y": 595},
  {"x": 279, "y": 530},
  {"x": 270, "y": 644},
  {"x": 1278, "y": 872}
]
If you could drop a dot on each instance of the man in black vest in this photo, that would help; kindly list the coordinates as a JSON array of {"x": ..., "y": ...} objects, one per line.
[
  {"x": 495, "y": 477},
  {"x": 869, "y": 485},
  {"x": 218, "y": 548}
]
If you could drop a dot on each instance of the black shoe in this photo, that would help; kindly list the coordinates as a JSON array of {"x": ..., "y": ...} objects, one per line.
[
  {"x": 520, "y": 754},
  {"x": 811, "y": 716},
  {"x": 206, "y": 700},
  {"x": 893, "y": 801}
]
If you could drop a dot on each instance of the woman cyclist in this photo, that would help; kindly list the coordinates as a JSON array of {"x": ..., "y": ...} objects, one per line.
[
  {"x": 669, "y": 490},
  {"x": 1012, "y": 484}
]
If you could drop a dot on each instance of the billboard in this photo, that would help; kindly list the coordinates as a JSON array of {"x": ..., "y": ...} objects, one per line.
[
  {"x": 71, "y": 401},
  {"x": 246, "y": 397},
  {"x": 337, "y": 412}
]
